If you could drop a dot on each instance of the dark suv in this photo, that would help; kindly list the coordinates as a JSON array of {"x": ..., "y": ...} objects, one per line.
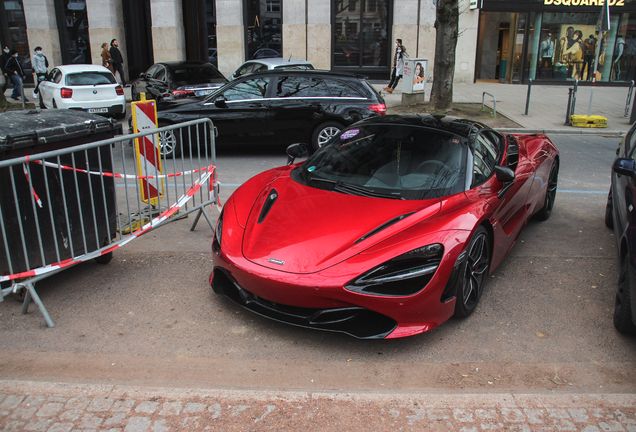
[{"x": 279, "y": 107}]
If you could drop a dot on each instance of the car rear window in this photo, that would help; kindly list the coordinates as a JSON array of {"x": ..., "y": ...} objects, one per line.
[
  {"x": 90, "y": 78},
  {"x": 298, "y": 86},
  {"x": 196, "y": 75},
  {"x": 296, "y": 67},
  {"x": 341, "y": 88}
]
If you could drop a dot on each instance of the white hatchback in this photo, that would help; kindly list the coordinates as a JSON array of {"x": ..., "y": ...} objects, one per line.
[{"x": 89, "y": 88}]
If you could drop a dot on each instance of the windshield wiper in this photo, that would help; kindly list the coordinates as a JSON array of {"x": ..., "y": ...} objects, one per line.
[
  {"x": 318, "y": 179},
  {"x": 102, "y": 84},
  {"x": 362, "y": 191}
]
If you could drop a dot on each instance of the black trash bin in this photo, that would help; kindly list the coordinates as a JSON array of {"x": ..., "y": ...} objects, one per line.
[{"x": 54, "y": 214}]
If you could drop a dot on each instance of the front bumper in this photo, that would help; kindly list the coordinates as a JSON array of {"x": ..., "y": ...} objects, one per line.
[{"x": 354, "y": 320}]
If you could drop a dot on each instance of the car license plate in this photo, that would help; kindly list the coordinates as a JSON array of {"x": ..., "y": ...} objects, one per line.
[
  {"x": 98, "y": 110},
  {"x": 203, "y": 92}
]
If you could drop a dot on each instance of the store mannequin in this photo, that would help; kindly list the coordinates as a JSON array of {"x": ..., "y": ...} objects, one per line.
[
  {"x": 618, "y": 53},
  {"x": 589, "y": 48}
]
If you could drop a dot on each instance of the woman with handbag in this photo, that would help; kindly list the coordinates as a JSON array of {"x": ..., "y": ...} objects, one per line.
[
  {"x": 398, "y": 65},
  {"x": 106, "y": 61}
]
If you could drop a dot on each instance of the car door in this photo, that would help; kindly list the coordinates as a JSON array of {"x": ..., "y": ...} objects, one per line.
[
  {"x": 47, "y": 88},
  {"x": 298, "y": 104},
  {"x": 623, "y": 196},
  {"x": 240, "y": 112},
  {"x": 157, "y": 85},
  {"x": 508, "y": 201}
]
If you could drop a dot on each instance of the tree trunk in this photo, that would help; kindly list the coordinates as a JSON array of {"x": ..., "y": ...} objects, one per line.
[{"x": 447, "y": 30}]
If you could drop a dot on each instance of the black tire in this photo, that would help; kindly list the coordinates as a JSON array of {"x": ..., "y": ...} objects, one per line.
[
  {"x": 42, "y": 106},
  {"x": 474, "y": 274},
  {"x": 134, "y": 94},
  {"x": 104, "y": 259},
  {"x": 169, "y": 144},
  {"x": 120, "y": 116},
  {"x": 324, "y": 132},
  {"x": 609, "y": 211},
  {"x": 550, "y": 194},
  {"x": 622, "y": 307}
]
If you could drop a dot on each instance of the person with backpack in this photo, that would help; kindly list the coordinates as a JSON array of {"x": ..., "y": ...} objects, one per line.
[
  {"x": 16, "y": 72},
  {"x": 40, "y": 68}
]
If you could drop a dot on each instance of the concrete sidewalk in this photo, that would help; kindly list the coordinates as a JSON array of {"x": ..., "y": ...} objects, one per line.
[
  {"x": 54, "y": 407},
  {"x": 548, "y": 104}
]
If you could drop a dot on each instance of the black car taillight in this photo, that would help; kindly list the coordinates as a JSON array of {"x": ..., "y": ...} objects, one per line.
[
  {"x": 378, "y": 108},
  {"x": 218, "y": 234},
  {"x": 404, "y": 275}
]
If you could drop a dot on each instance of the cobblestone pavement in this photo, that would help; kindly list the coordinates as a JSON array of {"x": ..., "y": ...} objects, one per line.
[{"x": 55, "y": 407}]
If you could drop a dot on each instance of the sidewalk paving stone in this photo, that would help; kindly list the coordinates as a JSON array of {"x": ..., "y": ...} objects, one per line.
[{"x": 170, "y": 409}]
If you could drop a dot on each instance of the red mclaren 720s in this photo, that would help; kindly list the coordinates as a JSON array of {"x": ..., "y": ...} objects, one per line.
[{"x": 388, "y": 230}]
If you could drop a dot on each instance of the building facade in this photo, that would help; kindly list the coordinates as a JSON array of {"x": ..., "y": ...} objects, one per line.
[{"x": 505, "y": 40}]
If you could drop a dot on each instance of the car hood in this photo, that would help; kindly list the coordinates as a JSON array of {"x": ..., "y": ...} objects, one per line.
[{"x": 298, "y": 229}]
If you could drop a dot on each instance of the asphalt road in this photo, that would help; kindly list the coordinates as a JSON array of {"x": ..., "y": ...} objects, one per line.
[{"x": 150, "y": 318}]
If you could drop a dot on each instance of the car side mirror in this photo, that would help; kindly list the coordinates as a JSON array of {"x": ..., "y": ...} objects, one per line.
[
  {"x": 626, "y": 167},
  {"x": 220, "y": 102},
  {"x": 504, "y": 174},
  {"x": 296, "y": 150}
]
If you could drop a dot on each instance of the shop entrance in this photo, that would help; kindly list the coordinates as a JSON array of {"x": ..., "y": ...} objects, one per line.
[{"x": 500, "y": 47}]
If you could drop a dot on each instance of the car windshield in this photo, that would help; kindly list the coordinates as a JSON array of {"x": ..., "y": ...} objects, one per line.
[
  {"x": 90, "y": 78},
  {"x": 196, "y": 75},
  {"x": 295, "y": 66},
  {"x": 389, "y": 161}
]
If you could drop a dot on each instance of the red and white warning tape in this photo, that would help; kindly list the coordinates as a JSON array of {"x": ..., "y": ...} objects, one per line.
[
  {"x": 121, "y": 176},
  {"x": 209, "y": 171}
]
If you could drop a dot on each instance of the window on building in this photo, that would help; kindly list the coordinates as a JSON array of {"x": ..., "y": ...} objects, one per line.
[
  {"x": 361, "y": 34},
  {"x": 264, "y": 28},
  {"x": 72, "y": 25},
  {"x": 273, "y": 5},
  {"x": 13, "y": 32}
]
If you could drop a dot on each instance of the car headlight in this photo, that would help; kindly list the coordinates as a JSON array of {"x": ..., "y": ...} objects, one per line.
[
  {"x": 218, "y": 234},
  {"x": 404, "y": 275}
]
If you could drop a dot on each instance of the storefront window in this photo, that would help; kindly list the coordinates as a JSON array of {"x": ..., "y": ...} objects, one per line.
[
  {"x": 558, "y": 43},
  {"x": 361, "y": 36},
  {"x": 264, "y": 29},
  {"x": 13, "y": 31},
  {"x": 210, "y": 13},
  {"x": 72, "y": 25}
]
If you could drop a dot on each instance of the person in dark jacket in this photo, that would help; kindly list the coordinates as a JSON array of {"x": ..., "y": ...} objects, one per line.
[
  {"x": 15, "y": 71},
  {"x": 4, "y": 58},
  {"x": 118, "y": 60}
]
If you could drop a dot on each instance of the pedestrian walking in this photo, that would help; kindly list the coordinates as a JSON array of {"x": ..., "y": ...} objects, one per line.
[
  {"x": 398, "y": 65},
  {"x": 40, "y": 68},
  {"x": 4, "y": 58},
  {"x": 106, "y": 60},
  {"x": 118, "y": 60},
  {"x": 16, "y": 72}
]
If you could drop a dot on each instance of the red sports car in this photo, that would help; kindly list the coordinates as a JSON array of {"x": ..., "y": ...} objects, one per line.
[{"x": 387, "y": 231}]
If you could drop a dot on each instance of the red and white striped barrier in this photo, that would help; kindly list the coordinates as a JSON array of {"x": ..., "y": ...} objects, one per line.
[
  {"x": 209, "y": 172},
  {"x": 147, "y": 150}
]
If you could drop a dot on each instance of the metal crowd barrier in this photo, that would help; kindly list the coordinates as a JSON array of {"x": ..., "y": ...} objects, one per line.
[{"x": 64, "y": 207}]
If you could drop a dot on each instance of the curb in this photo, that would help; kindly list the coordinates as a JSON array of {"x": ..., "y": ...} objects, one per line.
[{"x": 596, "y": 131}]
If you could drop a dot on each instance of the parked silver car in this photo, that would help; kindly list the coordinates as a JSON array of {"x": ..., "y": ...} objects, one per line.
[{"x": 264, "y": 64}]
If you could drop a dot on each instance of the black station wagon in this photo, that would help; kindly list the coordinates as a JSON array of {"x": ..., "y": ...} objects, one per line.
[{"x": 278, "y": 107}]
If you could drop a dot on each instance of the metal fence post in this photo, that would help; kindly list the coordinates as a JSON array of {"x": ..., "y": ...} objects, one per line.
[
  {"x": 576, "y": 88},
  {"x": 528, "y": 96},
  {"x": 629, "y": 98},
  {"x": 567, "y": 113},
  {"x": 22, "y": 91}
]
